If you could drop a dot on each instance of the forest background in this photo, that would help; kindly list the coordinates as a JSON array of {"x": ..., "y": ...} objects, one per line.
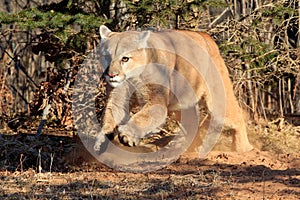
[{"x": 44, "y": 42}]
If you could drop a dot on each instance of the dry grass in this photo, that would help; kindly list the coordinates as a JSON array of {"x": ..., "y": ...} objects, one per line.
[{"x": 277, "y": 136}]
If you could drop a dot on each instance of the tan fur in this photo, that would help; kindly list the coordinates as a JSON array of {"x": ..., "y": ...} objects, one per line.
[{"x": 176, "y": 51}]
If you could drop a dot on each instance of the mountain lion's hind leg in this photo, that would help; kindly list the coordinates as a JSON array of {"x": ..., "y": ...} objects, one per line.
[{"x": 234, "y": 119}]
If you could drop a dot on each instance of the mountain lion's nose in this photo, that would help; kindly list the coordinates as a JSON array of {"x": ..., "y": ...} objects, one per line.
[{"x": 112, "y": 75}]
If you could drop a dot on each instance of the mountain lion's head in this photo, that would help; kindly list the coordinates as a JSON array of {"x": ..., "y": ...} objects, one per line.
[{"x": 123, "y": 55}]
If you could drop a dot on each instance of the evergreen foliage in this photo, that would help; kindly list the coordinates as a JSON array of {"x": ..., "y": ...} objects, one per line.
[
  {"x": 169, "y": 14},
  {"x": 62, "y": 31}
]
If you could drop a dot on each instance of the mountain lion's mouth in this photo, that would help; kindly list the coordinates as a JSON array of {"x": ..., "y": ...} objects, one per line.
[{"x": 114, "y": 81}]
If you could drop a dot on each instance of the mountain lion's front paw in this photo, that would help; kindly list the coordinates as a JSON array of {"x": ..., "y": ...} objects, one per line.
[
  {"x": 127, "y": 136},
  {"x": 106, "y": 130},
  {"x": 99, "y": 141}
]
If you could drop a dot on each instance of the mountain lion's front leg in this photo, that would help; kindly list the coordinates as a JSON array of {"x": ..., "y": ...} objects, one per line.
[
  {"x": 147, "y": 120},
  {"x": 115, "y": 113}
]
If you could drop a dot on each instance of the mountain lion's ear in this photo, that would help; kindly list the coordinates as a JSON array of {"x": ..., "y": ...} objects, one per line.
[
  {"x": 143, "y": 39},
  {"x": 144, "y": 36},
  {"x": 104, "y": 32}
]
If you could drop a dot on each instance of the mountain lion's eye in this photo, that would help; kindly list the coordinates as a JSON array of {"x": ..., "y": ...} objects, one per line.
[{"x": 125, "y": 59}]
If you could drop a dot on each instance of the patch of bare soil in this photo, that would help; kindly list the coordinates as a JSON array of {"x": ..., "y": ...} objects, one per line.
[{"x": 60, "y": 168}]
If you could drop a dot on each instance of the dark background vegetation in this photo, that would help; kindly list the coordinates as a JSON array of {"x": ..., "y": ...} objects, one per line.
[{"x": 44, "y": 42}]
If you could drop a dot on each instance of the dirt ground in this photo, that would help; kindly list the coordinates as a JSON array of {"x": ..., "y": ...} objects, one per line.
[{"x": 59, "y": 168}]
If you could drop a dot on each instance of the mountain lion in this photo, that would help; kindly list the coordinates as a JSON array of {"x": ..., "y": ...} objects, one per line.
[{"x": 169, "y": 70}]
